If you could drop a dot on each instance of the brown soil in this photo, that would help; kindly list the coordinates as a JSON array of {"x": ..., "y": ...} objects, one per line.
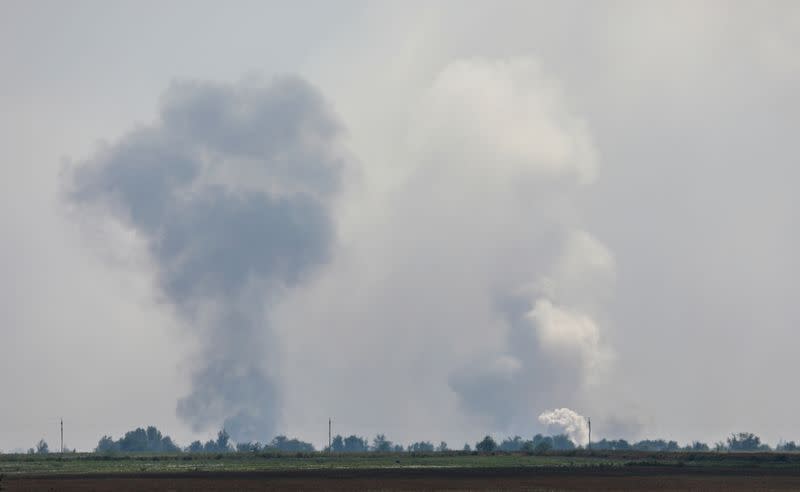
[{"x": 659, "y": 478}]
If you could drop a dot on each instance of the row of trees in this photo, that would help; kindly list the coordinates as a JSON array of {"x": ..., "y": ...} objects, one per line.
[
  {"x": 139, "y": 440},
  {"x": 279, "y": 443},
  {"x": 539, "y": 444},
  {"x": 742, "y": 441},
  {"x": 380, "y": 444},
  {"x": 152, "y": 440}
]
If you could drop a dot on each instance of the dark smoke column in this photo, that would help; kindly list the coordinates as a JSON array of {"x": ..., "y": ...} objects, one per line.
[{"x": 231, "y": 190}]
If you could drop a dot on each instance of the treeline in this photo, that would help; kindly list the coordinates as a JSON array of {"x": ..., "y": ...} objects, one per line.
[
  {"x": 151, "y": 440},
  {"x": 139, "y": 440},
  {"x": 742, "y": 441}
]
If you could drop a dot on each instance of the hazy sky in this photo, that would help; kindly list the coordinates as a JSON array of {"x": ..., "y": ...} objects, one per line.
[{"x": 489, "y": 209}]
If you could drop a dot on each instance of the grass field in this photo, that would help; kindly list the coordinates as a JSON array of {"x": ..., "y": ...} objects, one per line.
[
  {"x": 403, "y": 471},
  {"x": 243, "y": 462},
  {"x": 81, "y": 463}
]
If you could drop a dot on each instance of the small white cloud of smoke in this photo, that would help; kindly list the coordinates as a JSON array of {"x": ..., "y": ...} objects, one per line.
[{"x": 568, "y": 422}]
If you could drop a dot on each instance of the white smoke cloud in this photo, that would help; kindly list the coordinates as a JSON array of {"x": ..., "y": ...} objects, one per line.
[
  {"x": 446, "y": 300},
  {"x": 497, "y": 135},
  {"x": 505, "y": 116},
  {"x": 567, "y": 421},
  {"x": 569, "y": 334},
  {"x": 583, "y": 275}
]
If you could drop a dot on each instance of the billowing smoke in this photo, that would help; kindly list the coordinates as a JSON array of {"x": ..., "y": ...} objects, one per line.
[
  {"x": 475, "y": 296},
  {"x": 230, "y": 191},
  {"x": 506, "y": 127},
  {"x": 473, "y": 293},
  {"x": 567, "y": 421}
]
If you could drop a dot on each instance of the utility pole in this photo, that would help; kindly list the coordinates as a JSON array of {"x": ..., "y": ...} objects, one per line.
[
  {"x": 62, "y": 436},
  {"x": 589, "y": 420},
  {"x": 329, "y": 435}
]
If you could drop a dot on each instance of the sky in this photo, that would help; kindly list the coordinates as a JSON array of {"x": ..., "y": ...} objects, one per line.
[{"x": 433, "y": 220}]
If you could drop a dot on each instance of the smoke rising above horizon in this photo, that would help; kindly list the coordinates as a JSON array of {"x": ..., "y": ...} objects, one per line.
[
  {"x": 475, "y": 296},
  {"x": 477, "y": 271},
  {"x": 506, "y": 124},
  {"x": 230, "y": 192}
]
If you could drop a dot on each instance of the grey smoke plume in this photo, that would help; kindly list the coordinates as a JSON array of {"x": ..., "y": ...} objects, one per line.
[{"x": 230, "y": 191}]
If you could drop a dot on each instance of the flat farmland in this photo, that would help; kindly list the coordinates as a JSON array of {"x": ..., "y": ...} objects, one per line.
[{"x": 457, "y": 471}]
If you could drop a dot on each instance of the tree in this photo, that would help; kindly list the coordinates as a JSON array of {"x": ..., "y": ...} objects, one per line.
[
  {"x": 283, "y": 443},
  {"x": 337, "y": 444},
  {"x": 223, "y": 440},
  {"x": 562, "y": 442},
  {"x": 278, "y": 442},
  {"x": 355, "y": 444},
  {"x": 195, "y": 447},
  {"x": 744, "y": 441},
  {"x": 542, "y": 444},
  {"x": 381, "y": 444},
  {"x": 442, "y": 447},
  {"x": 543, "y": 447},
  {"x": 421, "y": 447},
  {"x": 139, "y": 440},
  {"x": 248, "y": 447},
  {"x": 487, "y": 445},
  {"x": 466, "y": 448},
  {"x": 221, "y": 445},
  {"x": 511, "y": 444},
  {"x": 153, "y": 436},
  {"x": 697, "y": 446},
  {"x": 134, "y": 441},
  {"x": 787, "y": 446},
  {"x": 106, "y": 445},
  {"x": 613, "y": 445},
  {"x": 41, "y": 447},
  {"x": 656, "y": 445},
  {"x": 168, "y": 446}
]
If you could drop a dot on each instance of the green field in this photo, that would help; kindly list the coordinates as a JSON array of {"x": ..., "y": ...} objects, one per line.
[{"x": 83, "y": 463}]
